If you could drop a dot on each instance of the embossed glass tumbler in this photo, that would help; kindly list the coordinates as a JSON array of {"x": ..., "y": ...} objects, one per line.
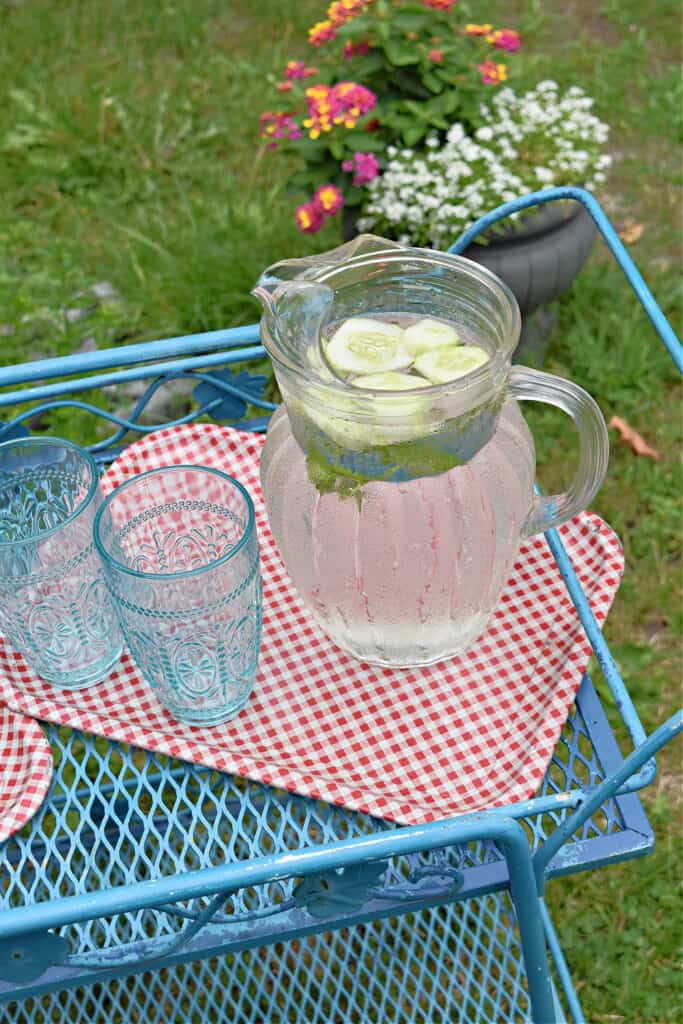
[
  {"x": 54, "y": 605},
  {"x": 181, "y": 560}
]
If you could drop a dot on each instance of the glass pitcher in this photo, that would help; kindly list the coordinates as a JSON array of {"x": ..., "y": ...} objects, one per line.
[{"x": 398, "y": 515}]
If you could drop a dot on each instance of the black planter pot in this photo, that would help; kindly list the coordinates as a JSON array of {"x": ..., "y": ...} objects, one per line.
[{"x": 538, "y": 257}]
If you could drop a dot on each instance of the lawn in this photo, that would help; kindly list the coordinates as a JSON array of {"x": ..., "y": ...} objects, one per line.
[{"x": 129, "y": 155}]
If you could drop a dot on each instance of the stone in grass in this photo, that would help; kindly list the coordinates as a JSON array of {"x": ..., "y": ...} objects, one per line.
[
  {"x": 37, "y": 325},
  {"x": 105, "y": 292},
  {"x": 87, "y": 345},
  {"x": 133, "y": 389},
  {"x": 169, "y": 402},
  {"x": 79, "y": 313},
  {"x": 105, "y": 295}
]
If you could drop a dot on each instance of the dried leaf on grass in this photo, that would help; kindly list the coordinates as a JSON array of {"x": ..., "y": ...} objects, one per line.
[
  {"x": 632, "y": 438},
  {"x": 631, "y": 233}
]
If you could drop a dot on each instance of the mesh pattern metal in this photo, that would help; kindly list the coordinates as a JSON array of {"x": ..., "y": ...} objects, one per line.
[
  {"x": 459, "y": 963},
  {"x": 575, "y": 765},
  {"x": 119, "y": 815}
]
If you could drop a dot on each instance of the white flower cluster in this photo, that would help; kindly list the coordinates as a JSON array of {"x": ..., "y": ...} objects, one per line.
[{"x": 536, "y": 140}]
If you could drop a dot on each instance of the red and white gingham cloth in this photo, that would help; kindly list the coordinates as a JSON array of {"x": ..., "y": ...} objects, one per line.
[
  {"x": 25, "y": 770},
  {"x": 413, "y": 745}
]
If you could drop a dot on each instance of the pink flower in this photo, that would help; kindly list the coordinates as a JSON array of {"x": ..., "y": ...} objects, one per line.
[
  {"x": 355, "y": 49},
  {"x": 440, "y": 5},
  {"x": 322, "y": 32},
  {"x": 341, "y": 104},
  {"x": 492, "y": 73},
  {"x": 364, "y": 166},
  {"x": 284, "y": 86},
  {"x": 505, "y": 39},
  {"x": 354, "y": 101},
  {"x": 309, "y": 218},
  {"x": 436, "y": 56},
  {"x": 328, "y": 199},
  {"x": 278, "y": 125},
  {"x": 297, "y": 69}
]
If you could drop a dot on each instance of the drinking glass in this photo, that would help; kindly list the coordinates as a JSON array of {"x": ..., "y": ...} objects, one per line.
[
  {"x": 181, "y": 560},
  {"x": 54, "y": 605}
]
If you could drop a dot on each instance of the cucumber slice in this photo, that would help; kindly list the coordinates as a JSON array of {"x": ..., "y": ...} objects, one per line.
[
  {"x": 392, "y": 418},
  {"x": 428, "y": 335},
  {"x": 392, "y": 380},
  {"x": 446, "y": 364},
  {"x": 362, "y": 345}
]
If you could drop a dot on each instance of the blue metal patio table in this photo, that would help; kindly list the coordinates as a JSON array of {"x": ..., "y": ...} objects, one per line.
[{"x": 149, "y": 889}]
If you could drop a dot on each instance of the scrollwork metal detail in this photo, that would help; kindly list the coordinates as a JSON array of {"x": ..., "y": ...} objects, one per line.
[
  {"x": 26, "y": 957},
  {"x": 339, "y": 892}
]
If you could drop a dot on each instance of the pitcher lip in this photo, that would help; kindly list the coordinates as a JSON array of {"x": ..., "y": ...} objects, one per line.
[{"x": 394, "y": 253}]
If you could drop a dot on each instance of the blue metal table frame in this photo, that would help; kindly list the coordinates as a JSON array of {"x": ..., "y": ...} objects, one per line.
[{"x": 138, "y": 861}]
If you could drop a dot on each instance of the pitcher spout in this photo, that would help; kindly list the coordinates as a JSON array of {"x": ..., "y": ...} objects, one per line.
[{"x": 297, "y": 302}]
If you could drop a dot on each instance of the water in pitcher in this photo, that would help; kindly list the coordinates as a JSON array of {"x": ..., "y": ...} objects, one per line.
[{"x": 400, "y": 569}]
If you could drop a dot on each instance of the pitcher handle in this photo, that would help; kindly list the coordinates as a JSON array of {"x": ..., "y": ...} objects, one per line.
[{"x": 554, "y": 509}]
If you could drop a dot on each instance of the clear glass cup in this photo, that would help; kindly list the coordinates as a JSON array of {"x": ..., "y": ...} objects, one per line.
[
  {"x": 181, "y": 561},
  {"x": 54, "y": 605}
]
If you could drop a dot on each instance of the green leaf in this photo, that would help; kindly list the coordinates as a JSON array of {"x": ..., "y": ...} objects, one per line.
[
  {"x": 354, "y": 195},
  {"x": 302, "y": 178},
  {"x": 450, "y": 100},
  {"x": 310, "y": 149},
  {"x": 409, "y": 21},
  {"x": 366, "y": 64},
  {"x": 401, "y": 53},
  {"x": 413, "y": 133},
  {"x": 338, "y": 148},
  {"x": 432, "y": 81},
  {"x": 364, "y": 142}
]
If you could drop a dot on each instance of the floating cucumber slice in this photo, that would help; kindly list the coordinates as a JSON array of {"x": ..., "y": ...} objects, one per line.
[
  {"x": 392, "y": 380},
  {"x": 363, "y": 436},
  {"x": 362, "y": 345},
  {"x": 428, "y": 334},
  {"x": 446, "y": 364},
  {"x": 392, "y": 419}
]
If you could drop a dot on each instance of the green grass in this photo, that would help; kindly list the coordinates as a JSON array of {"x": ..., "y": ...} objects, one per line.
[{"x": 129, "y": 154}]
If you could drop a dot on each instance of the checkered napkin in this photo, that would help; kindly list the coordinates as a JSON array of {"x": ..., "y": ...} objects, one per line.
[
  {"x": 25, "y": 770},
  {"x": 412, "y": 745}
]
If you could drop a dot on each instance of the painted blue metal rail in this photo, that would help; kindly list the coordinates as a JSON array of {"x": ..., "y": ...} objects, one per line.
[{"x": 138, "y": 861}]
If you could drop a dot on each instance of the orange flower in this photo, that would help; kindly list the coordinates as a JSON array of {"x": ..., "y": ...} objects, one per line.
[
  {"x": 492, "y": 73},
  {"x": 322, "y": 32},
  {"x": 478, "y": 30}
]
